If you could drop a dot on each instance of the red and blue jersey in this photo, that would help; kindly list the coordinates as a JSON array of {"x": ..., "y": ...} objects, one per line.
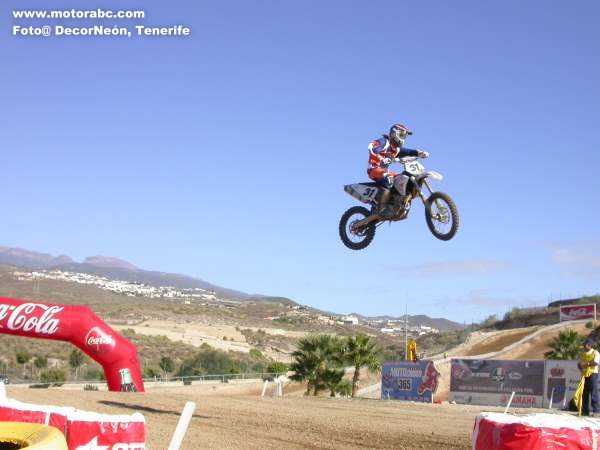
[{"x": 380, "y": 150}]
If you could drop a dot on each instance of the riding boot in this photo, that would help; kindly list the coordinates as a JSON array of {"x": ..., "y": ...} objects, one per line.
[{"x": 384, "y": 199}]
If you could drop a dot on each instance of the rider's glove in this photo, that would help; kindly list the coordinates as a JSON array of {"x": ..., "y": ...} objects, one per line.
[
  {"x": 423, "y": 154},
  {"x": 387, "y": 161}
]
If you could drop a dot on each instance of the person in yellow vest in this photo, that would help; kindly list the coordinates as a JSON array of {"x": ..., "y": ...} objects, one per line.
[{"x": 588, "y": 364}]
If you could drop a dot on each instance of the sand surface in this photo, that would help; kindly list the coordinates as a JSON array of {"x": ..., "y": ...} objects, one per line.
[{"x": 236, "y": 417}]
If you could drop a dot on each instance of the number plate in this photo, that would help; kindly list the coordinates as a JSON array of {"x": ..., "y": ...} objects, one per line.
[{"x": 414, "y": 168}]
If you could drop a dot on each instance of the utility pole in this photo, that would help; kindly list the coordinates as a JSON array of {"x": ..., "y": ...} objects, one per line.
[{"x": 406, "y": 333}]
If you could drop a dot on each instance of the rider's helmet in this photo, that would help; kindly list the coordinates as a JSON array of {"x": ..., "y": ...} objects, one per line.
[{"x": 398, "y": 133}]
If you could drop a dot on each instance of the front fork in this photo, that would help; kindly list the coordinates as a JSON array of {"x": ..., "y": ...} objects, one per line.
[{"x": 419, "y": 193}]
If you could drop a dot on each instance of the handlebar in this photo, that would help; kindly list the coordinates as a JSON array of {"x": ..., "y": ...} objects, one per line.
[{"x": 406, "y": 159}]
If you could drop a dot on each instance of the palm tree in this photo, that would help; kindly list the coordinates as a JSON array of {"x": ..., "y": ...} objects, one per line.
[
  {"x": 566, "y": 346},
  {"x": 360, "y": 351},
  {"x": 314, "y": 358},
  {"x": 333, "y": 379}
]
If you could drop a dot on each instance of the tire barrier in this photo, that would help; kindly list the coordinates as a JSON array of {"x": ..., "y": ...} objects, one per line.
[
  {"x": 30, "y": 437},
  {"x": 80, "y": 429},
  {"x": 82, "y": 328},
  {"x": 495, "y": 431}
]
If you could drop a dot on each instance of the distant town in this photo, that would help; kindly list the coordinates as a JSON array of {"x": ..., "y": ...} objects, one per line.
[{"x": 206, "y": 297}]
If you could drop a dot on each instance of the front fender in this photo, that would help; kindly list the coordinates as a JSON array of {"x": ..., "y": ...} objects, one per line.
[{"x": 435, "y": 175}]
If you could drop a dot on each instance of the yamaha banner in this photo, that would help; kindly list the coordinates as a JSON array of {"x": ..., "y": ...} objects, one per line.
[
  {"x": 406, "y": 380},
  {"x": 491, "y": 382}
]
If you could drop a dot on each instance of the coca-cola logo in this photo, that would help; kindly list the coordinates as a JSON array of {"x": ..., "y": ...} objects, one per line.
[
  {"x": 34, "y": 318},
  {"x": 557, "y": 372},
  {"x": 578, "y": 311},
  {"x": 99, "y": 341}
]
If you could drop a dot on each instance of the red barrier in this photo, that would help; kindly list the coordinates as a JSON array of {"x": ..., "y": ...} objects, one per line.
[
  {"x": 103, "y": 431},
  {"x": 495, "y": 431},
  {"x": 82, "y": 430},
  {"x": 54, "y": 416},
  {"x": 82, "y": 328}
]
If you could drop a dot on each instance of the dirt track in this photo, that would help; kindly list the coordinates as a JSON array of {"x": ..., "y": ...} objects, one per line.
[{"x": 229, "y": 419}]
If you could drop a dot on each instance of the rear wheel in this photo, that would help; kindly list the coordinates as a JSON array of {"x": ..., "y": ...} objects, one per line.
[
  {"x": 356, "y": 239},
  {"x": 442, "y": 216}
]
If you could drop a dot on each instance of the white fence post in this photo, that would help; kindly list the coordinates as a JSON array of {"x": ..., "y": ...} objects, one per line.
[
  {"x": 264, "y": 388},
  {"x": 182, "y": 425},
  {"x": 509, "y": 402}
]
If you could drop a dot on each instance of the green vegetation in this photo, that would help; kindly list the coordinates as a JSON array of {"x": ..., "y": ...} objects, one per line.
[
  {"x": 167, "y": 365},
  {"x": 53, "y": 376},
  {"x": 360, "y": 351},
  {"x": 277, "y": 367},
  {"x": 209, "y": 361},
  {"x": 76, "y": 358},
  {"x": 320, "y": 359},
  {"x": 567, "y": 345}
]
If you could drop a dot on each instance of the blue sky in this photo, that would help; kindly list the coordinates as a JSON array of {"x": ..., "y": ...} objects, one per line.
[{"x": 222, "y": 155}]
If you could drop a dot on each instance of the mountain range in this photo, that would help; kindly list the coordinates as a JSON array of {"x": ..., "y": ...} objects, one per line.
[
  {"x": 118, "y": 269},
  {"x": 111, "y": 268}
]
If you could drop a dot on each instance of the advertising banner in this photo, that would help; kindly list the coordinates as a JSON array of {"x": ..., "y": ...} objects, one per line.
[
  {"x": 108, "y": 432},
  {"x": 15, "y": 411},
  {"x": 407, "y": 380},
  {"x": 491, "y": 382},
  {"x": 577, "y": 312},
  {"x": 562, "y": 378},
  {"x": 79, "y": 326}
]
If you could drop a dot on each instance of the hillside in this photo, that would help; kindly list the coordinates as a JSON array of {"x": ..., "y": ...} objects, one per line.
[
  {"x": 179, "y": 327},
  {"x": 111, "y": 268}
]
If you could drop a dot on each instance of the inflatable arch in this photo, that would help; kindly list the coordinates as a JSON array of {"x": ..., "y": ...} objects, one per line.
[{"x": 82, "y": 328}]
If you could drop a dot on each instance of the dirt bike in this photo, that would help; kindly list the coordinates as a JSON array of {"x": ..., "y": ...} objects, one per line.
[{"x": 358, "y": 224}]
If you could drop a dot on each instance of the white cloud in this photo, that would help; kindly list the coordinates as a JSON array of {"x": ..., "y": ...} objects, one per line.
[{"x": 581, "y": 259}]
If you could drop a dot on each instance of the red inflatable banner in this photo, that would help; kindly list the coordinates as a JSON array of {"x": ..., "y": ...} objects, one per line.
[
  {"x": 495, "y": 431},
  {"x": 82, "y": 328}
]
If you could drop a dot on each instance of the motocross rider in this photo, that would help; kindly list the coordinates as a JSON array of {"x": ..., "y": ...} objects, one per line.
[{"x": 382, "y": 153}]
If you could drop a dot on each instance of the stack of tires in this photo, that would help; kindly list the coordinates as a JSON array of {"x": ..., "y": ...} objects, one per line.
[{"x": 30, "y": 436}]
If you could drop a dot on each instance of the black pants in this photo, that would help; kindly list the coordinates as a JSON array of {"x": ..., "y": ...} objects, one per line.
[{"x": 590, "y": 387}]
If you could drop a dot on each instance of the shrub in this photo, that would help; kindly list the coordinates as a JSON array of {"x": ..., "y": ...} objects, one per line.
[
  {"x": 277, "y": 367},
  {"x": 90, "y": 387},
  {"x": 53, "y": 376}
]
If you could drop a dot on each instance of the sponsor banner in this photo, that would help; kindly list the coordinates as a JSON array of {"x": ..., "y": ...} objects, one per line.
[
  {"x": 91, "y": 431},
  {"x": 79, "y": 326},
  {"x": 407, "y": 380},
  {"x": 562, "y": 378},
  {"x": 577, "y": 312},
  {"x": 520, "y": 401},
  {"x": 490, "y": 382},
  {"x": 15, "y": 411}
]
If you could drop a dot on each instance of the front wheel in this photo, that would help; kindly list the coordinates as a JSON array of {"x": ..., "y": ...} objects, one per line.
[
  {"x": 356, "y": 239},
  {"x": 442, "y": 216}
]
